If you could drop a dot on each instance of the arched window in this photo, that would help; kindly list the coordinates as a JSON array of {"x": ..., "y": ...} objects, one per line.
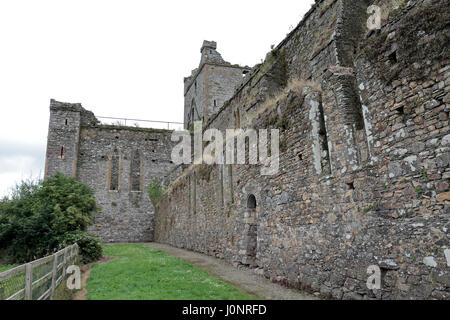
[
  {"x": 135, "y": 171},
  {"x": 251, "y": 202},
  {"x": 114, "y": 177},
  {"x": 194, "y": 111}
]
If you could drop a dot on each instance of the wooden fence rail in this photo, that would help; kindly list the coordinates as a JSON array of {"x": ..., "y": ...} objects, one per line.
[{"x": 38, "y": 279}]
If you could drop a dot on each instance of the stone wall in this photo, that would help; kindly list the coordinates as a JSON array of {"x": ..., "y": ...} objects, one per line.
[
  {"x": 117, "y": 162},
  {"x": 364, "y": 165},
  {"x": 210, "y": 85}
]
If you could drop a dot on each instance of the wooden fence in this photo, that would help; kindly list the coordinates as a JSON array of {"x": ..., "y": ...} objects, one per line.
[{"x": 37, "y": 280}]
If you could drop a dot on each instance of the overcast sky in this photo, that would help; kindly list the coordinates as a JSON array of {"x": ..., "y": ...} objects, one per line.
[{"x": 118, "y": 58}]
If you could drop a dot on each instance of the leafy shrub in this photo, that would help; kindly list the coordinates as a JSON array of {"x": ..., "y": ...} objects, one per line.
[
  {"x": 155, "y": 191},
  {"x": 90, "y": 247},
  {"x": 37, "y": 215}
]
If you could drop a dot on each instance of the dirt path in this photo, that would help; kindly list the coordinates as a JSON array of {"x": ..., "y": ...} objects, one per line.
[
  {"x": 85, "y": 272},
  {"x": 244, "y": 279}
]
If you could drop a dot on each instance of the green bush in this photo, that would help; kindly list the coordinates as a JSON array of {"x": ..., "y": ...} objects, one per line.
[
  {"x": 155, "y": 191},
  {"x": 39, "y": 214},
  {"x": 90, "y": 247}
]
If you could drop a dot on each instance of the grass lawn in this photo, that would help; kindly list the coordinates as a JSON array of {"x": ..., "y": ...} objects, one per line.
[
  {"x": 141, "y": 273},
  {"x": 4, "y": 267}
]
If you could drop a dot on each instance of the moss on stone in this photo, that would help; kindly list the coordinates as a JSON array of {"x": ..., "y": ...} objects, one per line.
[{"x": 408, "y": 59}]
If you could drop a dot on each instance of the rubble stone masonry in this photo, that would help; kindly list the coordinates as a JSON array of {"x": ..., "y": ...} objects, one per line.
[
  {"x": 117, "y": 162},
  {"x": 364, "y": 165}
]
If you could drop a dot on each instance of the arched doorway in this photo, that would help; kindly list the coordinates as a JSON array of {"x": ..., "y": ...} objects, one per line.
[{"x": 251, "y": 232}]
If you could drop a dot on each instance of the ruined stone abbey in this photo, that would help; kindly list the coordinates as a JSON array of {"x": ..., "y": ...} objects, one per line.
[{"x": 364, "y": 173}]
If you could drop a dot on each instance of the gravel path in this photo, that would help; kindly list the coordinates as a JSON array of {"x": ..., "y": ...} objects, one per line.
[{"x": 244, "y": 279}]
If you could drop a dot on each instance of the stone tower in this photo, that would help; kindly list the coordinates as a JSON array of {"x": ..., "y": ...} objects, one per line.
[
  {"x": 63, "y": 138},
  {"x": 117, "y": 162},
  {"x": 210, "y": 85}
]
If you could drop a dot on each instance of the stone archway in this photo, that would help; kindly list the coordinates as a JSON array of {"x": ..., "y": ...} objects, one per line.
[{"x": 251, "y": 232}]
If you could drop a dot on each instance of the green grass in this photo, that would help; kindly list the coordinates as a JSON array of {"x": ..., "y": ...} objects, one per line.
[
  {"x": 4, "y": 267},
  {"x": 140, "y": 273}
]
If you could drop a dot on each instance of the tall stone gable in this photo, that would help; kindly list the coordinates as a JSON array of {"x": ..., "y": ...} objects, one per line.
[{"x": 117, "y": 162}]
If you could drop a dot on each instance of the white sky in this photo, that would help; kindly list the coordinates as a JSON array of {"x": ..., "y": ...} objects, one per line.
[{"x": 118, "y": 58}]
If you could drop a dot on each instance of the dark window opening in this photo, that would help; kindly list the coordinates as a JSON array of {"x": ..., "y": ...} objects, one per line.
[
  {"x": 66, "y": 122},
  {"x": 393, "y": 57},
  {"x": 215, "y": 103},
  {"x": 300, "y": 156},
  {"x": 136, "y": 172},
  {"x": 401, "y": 113},
  {"x": 251, "y": 202},
  {"x": 323, "y": 140},
  {"x": 251, "y": 237},
  {"x": 62, "y": 152},
  {"x": 351, "y": 186}
]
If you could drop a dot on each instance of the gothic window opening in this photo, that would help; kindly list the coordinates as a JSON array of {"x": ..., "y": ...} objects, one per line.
[
  {"x": 323, "y": 140},
  {"x": 114, "y": 175},
  {"x": 251, "y": 202},
  {"x": 321, "y": 152},
  {"x": 136, "y": 171},
  {"x": 251, "y": 236},
  {"x": 62, "y": 153}
]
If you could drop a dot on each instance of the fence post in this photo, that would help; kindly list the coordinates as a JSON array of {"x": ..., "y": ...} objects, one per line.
[
  {"x": 28, "y": 281},
  {"x": 54, "y": 273},
  {"x": 73, "y": 253},
  {"x": 64, "y": 263},
  {"x": 77, "y": 252}
]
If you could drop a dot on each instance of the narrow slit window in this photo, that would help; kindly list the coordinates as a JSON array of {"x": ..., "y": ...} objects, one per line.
[
  {"x": 136, "y": 171},
  {"x": 62, "y": 152}
]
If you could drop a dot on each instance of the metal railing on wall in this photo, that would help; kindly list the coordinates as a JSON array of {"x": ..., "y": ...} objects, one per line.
[
  {"x": 169, "y": 125},
  {"x": 37, "y": 280}
]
